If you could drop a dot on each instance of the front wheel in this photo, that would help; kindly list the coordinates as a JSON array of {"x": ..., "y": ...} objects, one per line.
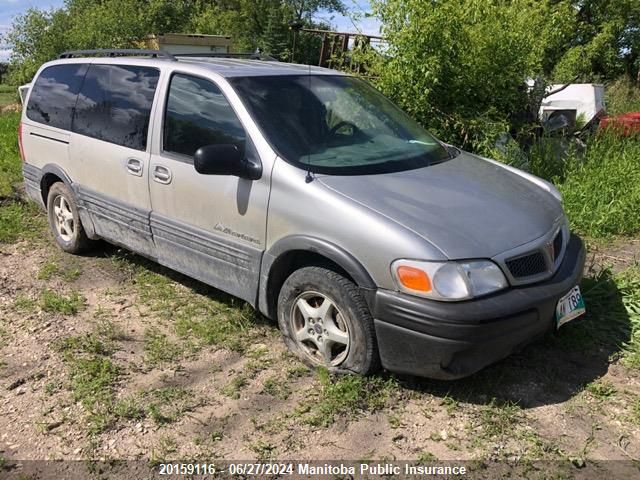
[{"x": 325, "y": 321}]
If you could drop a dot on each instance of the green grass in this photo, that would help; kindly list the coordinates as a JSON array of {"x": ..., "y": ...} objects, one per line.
[
  {"x": 92, "y": 376},
  {"x": 158, "y": 348},
  {"x": 498, "y": 420},
  {"x": 162, "y": 405},
  {"x": 53, "y": 268},
  {"x": 613, "y": 317},
  {"x": 622, "y": 95},
  {"x": 10, "y": 165},
  {"x": 53, "y": 302},
  {"x": 235, "y": 386},
  {"x": 346, "y": 396},
  {"x": 8, "y": 95},
  {"x": 20, "y": 221},
  {"x": 198, "y": 313},
  {"x": 600, "y": 186},
  {"x": 601, "y": 390}
]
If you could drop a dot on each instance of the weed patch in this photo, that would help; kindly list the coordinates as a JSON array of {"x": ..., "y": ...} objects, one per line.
[
  {"x": 158, "y": 348},
  {"x": 235, "y": 386},
  {"x": 347, "y": 395},
  {"x": 613, "y": 316},
  {"x": 53, "y": 302},
  {"x": 197, "y": 312},
  {"x": 52, "y": 268},
  {"x": 92, "y": 376},
  {"x": 162, "y": 405}
]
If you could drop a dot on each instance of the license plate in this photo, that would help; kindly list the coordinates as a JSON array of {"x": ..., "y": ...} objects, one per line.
[{"x": 570, "y": 307}]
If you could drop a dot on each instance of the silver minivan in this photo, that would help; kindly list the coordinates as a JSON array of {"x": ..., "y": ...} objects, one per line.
[{"x": 308, "y": 194}]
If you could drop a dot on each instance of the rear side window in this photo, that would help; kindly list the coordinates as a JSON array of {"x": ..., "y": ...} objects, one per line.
[
  {"x": 198, "y": 114},
  {"x": 114, "y": 104},
  {"x": 54, "y": 95}
]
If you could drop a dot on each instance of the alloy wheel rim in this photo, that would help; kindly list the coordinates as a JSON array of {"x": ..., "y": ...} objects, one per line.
[
  {"x": 320, "y": 329},
  {"x": 63, "y": 218}
]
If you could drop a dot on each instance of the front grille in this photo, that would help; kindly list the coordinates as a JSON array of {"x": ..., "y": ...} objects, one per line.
[
  {"x": 557, "y": 245},
  {"x": 527, "y": 265}
]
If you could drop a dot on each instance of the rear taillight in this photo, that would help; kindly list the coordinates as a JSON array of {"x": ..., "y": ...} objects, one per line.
[{"x": 20, "y": 142}]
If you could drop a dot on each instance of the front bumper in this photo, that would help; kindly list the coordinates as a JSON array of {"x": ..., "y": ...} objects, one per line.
[{"x": 447, "y": 340}]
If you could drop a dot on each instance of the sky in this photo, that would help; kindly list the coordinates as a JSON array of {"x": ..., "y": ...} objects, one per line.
[{"x": 10, "y": 8}]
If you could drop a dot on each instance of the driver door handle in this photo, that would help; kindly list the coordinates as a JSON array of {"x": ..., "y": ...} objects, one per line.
[{"x": 162, "y": 174}]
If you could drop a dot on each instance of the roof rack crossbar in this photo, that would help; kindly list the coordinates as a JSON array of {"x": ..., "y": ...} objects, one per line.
[
  {"x": 117, "y": 52},
  {"x": 249, "y": 56}
]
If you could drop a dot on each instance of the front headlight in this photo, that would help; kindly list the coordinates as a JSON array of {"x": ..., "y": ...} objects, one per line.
[{"x": 448, "y": 281}]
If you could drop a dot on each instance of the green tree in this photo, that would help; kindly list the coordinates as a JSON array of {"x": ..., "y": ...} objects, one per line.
[
  {"x": 605, "y": 41},
  {"x": 37, "y": 36},
  {"x": 459, "y": 66},
  {"x": 275, "y": 40}
]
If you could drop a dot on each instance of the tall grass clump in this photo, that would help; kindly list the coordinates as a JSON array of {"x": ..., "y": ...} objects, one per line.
[
  {"x": 599, "y": 182},
  {"x": 601, "y": 188},
  {"x": 622, "y": 96}
]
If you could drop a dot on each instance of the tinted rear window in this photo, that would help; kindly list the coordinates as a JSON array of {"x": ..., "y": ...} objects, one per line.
[
  {"x": 54, "y": 95},
  {"x": 114, "y": 104}
]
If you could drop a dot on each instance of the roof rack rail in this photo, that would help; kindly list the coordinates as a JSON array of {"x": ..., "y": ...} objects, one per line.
[
  {"x": 117, "y": 52},
  {"x": 248, "y": 56}
]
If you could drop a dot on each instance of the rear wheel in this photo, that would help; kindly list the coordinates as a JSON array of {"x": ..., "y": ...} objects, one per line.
[
  {"x": 64, "y": 220},
  {"x": 326, "y": 322}
]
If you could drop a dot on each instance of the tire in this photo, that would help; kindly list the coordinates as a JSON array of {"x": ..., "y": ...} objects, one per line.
[
  {"x": 340, "y": 335},
  {"x": 64, "y": 220}
]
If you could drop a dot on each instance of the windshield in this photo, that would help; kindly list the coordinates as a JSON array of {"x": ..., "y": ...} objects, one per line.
[{"x": 336, "y": 125}]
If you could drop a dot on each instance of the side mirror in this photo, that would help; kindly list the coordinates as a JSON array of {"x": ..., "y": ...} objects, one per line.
[{"x": 225, "y": 159}]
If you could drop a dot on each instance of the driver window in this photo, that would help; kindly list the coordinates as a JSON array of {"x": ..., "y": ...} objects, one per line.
[{"x": 198, "y": 114}]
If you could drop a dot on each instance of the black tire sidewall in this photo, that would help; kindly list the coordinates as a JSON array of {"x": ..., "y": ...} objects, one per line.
[{"x": 362, "y": 355}]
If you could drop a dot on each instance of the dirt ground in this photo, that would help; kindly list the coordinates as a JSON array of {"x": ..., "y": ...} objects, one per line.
[{"x": 164, "y": 378}]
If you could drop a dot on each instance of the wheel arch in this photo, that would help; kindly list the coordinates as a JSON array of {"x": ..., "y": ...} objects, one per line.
[
  {"x": 294, "y": 252},
  {"x": 52, "y": 174}
]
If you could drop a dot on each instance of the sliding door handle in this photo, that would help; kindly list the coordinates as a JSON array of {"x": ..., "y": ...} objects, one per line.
[{"x": 134, "y": 167}]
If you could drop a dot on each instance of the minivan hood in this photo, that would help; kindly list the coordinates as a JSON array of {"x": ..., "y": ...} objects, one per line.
[{"x": 467, "y": 207}]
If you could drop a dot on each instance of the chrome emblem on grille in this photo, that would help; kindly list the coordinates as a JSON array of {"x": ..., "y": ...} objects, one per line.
[{"x": 551, "y": 251}]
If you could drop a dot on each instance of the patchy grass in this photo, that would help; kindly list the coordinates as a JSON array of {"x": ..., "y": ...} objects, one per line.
[
  {"x": 92, "y": 376},
  {"x": 163, "y": 405},
  {"x": 277, "y": 387},
  {"x": 196, "y": 312},
  {"x": 23, "y": 303},
  {"x": 52, "y": 268},
  {"x": 53, "y": 302},
  {"x": 158, "y": 348},
  {"x": 235, "y": 386},
  {"x": 497, "y": 420},
  {"x": 345, "y": 396},
  {"x": 601, "y": 390},
  {"x": 635, "y": 411},
  {"x": 4, "y": 336}
]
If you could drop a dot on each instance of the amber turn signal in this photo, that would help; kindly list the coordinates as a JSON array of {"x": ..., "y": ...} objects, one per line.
[{"x": 413, "y": 278}]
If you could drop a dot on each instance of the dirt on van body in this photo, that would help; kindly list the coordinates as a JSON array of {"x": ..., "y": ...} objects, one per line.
[{"x": 110, "y": 357}]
